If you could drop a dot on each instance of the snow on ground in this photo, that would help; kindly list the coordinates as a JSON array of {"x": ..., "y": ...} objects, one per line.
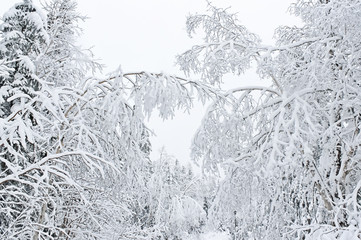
[{"x": 212, "y": 236}]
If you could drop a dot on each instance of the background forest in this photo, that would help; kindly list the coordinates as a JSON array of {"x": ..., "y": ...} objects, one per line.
[{"x": 279, "y": 161}]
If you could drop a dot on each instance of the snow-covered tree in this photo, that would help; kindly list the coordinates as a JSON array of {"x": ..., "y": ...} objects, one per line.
[
  {"x": 295, "y": 142},
  {"x": 57, "y": 139},
  {"x": 174, "y": 202},
  {"x": 63, "y": 60},
  {"x": 74, "y": 149},
  {"x": 23, "y": 37}
]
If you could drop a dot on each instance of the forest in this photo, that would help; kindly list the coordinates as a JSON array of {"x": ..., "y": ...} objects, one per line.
[{"x": 278, "y": 162}]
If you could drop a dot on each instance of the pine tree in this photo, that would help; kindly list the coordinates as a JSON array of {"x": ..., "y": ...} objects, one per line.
[
  {"x": 23, "y": 38},
  {"x": 41, "y": 194}
]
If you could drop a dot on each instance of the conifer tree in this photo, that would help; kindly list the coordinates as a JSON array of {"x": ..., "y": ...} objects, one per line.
[{"x": 23, "y": 37}]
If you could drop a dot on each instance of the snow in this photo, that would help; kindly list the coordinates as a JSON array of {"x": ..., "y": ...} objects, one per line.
[
  {"x": 11, "y": 12},
  {"x": 26, "y": 62},
  {"x": 212, "y": 236},
  {"x": 83, "y": 152},
  {"x": 35, "y": 18}
]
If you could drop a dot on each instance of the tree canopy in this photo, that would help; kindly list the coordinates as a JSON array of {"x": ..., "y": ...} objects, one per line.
[{"x": 74, "y": 148}]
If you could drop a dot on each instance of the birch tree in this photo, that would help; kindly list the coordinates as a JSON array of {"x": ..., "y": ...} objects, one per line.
[
  {"x": 74, "y": 148},
  {"x": 296, "y": 141}
]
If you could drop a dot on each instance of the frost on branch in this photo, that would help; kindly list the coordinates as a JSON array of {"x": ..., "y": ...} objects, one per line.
[
  {"x": 74, "y": 150},
  {"x": 165, "y": 93},
  {"x": 162, "y": 92},
  {"x": 56, "y": 148},
  {"x": 228, "y": 47},
  {"x": 300, "y": 136}
]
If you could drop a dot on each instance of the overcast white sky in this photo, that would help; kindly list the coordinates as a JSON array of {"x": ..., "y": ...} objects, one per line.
[{"x": 148, "y": 34}]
